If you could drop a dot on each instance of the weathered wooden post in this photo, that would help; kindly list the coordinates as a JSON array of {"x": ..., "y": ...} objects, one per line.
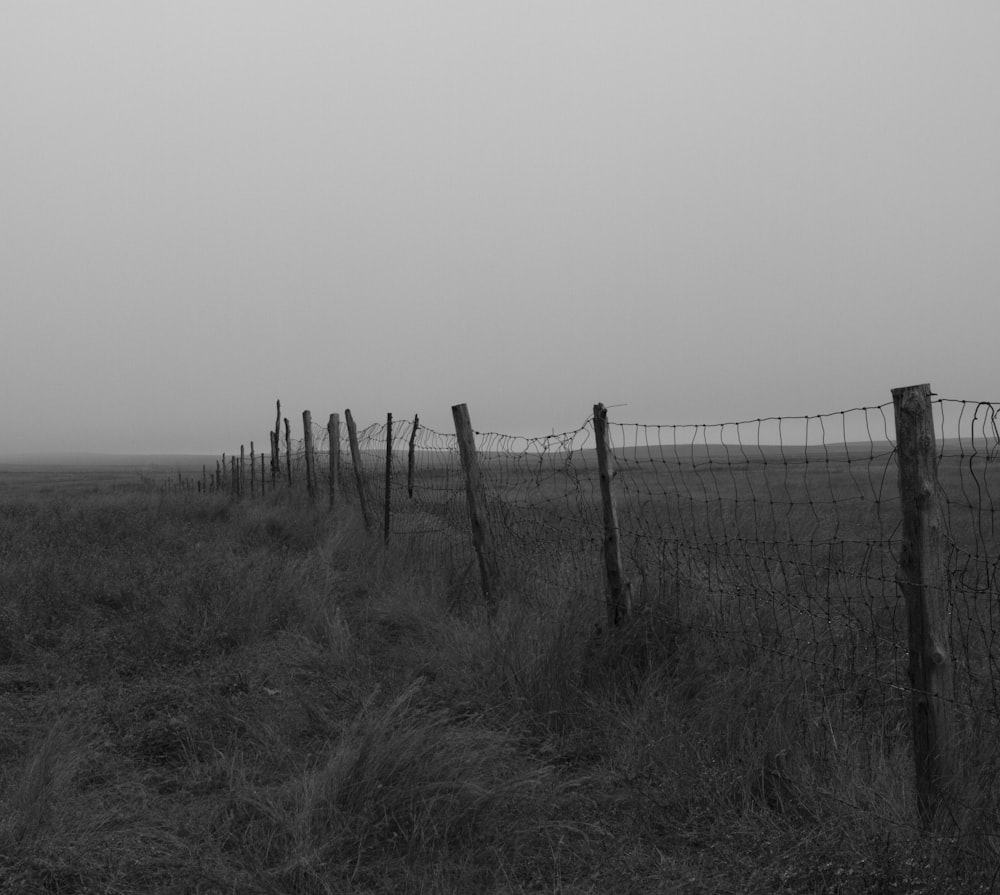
[
  {"x": 477, "y": 514},
  {"x": 333, "y": 437},
  {"x": 275, "y": 441},
  {"x": 239, "y": 471},
  {"x": 921, "y": 576},
  {"x": 275, "y": 459},
  {"x": 253, "y": 471},
  {"x": 409, "y": 469},
  {"x": 617, "y": 593},
  {"x": 307, "y": 444},
  {"x": 359, "y": 479},
  {"x": 388, "y": 477},
  {"x": 288, "y": 450}
]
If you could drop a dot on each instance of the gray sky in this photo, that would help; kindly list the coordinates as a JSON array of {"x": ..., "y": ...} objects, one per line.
[{"x": 703, "y": 210}]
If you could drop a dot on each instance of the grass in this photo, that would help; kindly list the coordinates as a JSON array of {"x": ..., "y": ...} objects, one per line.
[{"x": 203, "y": 696}]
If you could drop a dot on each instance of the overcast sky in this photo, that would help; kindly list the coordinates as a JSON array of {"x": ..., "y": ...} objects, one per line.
[{"x": 704, "y": 211}]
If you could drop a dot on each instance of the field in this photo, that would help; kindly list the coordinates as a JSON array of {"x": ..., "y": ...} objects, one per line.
[{"x": 205, "y": 695}]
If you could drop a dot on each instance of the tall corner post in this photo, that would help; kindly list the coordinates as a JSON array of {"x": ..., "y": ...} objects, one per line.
[{"x": 922, "y": 578}]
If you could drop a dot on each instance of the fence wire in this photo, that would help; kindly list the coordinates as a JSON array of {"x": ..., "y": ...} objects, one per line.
[{"x": 784, "y": 532}]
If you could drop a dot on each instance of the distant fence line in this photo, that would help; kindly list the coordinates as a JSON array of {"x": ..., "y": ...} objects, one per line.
[{"x": 818, "y": 553}]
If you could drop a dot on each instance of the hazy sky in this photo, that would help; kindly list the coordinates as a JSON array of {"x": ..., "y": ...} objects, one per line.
[{"x": 702, "y": 210}]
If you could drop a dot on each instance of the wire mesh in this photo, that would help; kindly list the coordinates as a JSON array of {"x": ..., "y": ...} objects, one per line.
[
  {"x": 786, "y": 529},
  {"x": 778, "y": 540},
  {"x": 781, "y": 535}
]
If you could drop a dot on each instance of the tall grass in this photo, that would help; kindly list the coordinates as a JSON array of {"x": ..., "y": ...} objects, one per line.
[{"x": 205, "y": 696}]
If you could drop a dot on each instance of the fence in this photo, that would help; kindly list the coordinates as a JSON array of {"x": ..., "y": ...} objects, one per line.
[{"x": 800, "y": 537}]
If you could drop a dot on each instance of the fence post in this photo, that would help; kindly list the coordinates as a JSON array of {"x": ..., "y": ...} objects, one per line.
[
  {"x": 275, "y": 451},
  {"x": 921, "y": 576},
  {"x": 388, "y": 476},
  {"x": 617, "y": 594},
  {"x": 352, "y": 435},
  {"x": 239, "y": 473},
  {"x": 288, "y": 450},
  {"x": 275, "y": 459},
  {"x": 409, "y": 467},
  {"x": 333, "y": 438},
  {"x": 253, "y": 471},
  {"x": 307, "y": 444},
  {"x": 477, "y": 516}
]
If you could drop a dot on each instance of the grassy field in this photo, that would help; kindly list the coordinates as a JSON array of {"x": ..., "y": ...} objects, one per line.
[{"x": 209, "y": 697}]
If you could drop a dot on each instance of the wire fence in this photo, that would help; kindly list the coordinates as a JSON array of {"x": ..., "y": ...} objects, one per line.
[{"x": 778, "y": 537}]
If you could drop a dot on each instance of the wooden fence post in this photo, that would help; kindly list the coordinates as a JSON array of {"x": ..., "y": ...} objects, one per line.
[
  {"x": 288, "y": 450},
  {"x": 477, "y": 515},
  {"x": 239, "y": 471},
  {"x": 409, "y": 468},
  {"x": 253, "y": 471},
  {"x": 275, "y": 442},
  {"x": 307, "y": 444},
  {"x": 617, "y": 594},
  {"x": 922, "y": 576},
  {"x": 333, "y": 438},
  {"x": 359, "y": 479},
  {"x": 388, "y": 477}
]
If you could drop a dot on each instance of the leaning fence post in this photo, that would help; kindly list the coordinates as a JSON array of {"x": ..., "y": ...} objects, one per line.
[
  {"x": 307, "y": 444},
  {"x": 477, "y": 516},
  {"x": 921, "y": 576},
  {"x": 617, "y": 595},
  {"x": 352, "y": 435}
]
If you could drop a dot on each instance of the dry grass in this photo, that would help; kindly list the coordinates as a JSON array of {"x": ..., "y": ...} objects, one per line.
[{"x": 202, "y": 697}]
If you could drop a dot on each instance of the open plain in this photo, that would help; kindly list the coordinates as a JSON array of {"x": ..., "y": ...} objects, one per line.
[{"x": 205, "y": 695}]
